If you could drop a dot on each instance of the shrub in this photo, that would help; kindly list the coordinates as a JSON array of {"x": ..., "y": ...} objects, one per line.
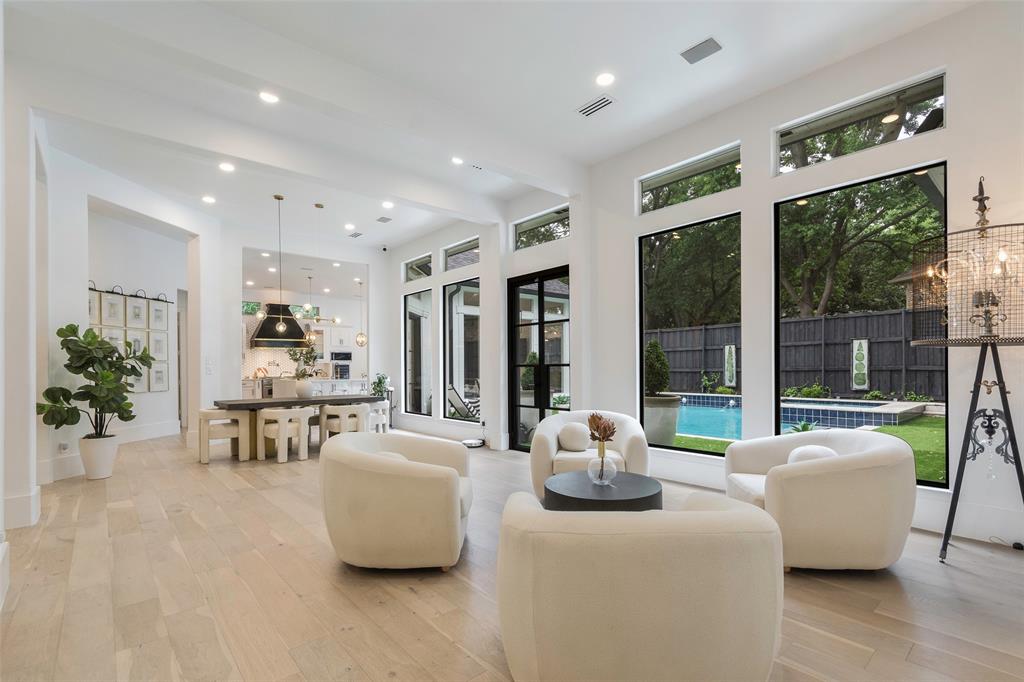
[
  {"x": 917, "y": 397},
  {"x": 560, "y": 400},
  {"x": 527, "y": 376},
  {"x": 874, "y": 395},
  {"x": 656, "y": 372},
  {"x": 800, "y": 427},
  {"x": 708, "y": 381},
  {"x": 725, "y": 390},
  {"x": 815, "y": 390},
  {"x": 791, "y": 392}
]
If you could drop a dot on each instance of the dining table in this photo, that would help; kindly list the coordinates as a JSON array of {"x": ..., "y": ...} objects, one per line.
[{"x": 253, "y": 405}]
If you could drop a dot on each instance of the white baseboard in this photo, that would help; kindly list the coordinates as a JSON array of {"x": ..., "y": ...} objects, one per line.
[
  {"x": 5, "y": 570},
  {"x": 132, "y": 432},
  {"x": 22, "y": 510}
]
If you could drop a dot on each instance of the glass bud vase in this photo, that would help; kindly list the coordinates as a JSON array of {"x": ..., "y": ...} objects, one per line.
[{"x": 601, "y": 469}]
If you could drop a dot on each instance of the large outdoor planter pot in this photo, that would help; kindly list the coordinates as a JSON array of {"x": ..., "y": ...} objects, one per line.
[
  {"x": 98, "y": 455},
  {"x": 661, "y": 413},
  {"x": 304, "y": 388}
]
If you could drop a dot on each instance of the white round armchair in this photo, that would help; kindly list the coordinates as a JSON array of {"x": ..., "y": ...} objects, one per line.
[
  {"x": 849, "y": 510},
  {"x": 549, "y": 455},
  {"x": 694, "y": 594},
  {"x": 394, "y": 500}
]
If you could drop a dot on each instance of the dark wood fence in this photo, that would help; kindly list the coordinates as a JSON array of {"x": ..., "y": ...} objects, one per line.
[{"x": 815, "y": 349}]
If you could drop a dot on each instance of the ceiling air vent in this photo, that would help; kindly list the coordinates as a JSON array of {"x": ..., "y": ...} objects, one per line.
[
  {"x": 383, "y": 219},
  {"x": 594, "y": 106},
  {"x": 701, "y": 50},
  {"x": 355, "y": 234}
]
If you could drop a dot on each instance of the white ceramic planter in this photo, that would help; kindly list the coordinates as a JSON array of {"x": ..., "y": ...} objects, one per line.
[
  {"x": 304, "y": 388},
  {"x": 98, "y": 455},
  {"x": 660, "y": 416}
]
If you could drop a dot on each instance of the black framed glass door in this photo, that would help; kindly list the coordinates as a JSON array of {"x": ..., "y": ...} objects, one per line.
[{"x": 539, "y": 362}]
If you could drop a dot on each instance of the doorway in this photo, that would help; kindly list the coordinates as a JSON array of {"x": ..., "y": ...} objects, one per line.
[{"x": 538, "y": 345}]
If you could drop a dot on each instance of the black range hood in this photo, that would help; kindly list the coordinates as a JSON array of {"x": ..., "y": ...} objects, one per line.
[{"x": 267, "y": 336}]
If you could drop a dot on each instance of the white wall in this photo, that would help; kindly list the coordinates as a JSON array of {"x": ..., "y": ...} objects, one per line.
[
  {"x": 980, "y": 51},
  {"x": 5, "y": 562},
  {"x": 134, "y": 257}
]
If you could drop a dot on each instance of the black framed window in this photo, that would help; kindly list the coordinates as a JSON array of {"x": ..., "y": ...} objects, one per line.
[
  {"x": 462, "y": 350},
  {"x": 843, "y": 289},
  {"x": 418, "y": 398},
  {"x": 539, "y": 351},
  {"x": 690, "y": 336},
  {"x": 897, "y": 115},
  {"x": 701, "y": 177}
]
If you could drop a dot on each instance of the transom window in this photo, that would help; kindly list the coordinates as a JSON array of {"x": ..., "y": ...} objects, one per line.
[
  {"x": 543, "y": 228},
  {"x": 461, "y": 255},
  {"x": 418, "y": 268},
  {"x": 895, "y": 116},
  {"x": 690, "y": 180}
]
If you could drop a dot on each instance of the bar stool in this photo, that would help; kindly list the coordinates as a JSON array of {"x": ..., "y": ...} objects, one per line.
[
  {"x": 218, "y": 424},
  {"x": 282, "y": 425},
  {"x": 342, "y": 419},
  {"x": 380, "y": 413}
]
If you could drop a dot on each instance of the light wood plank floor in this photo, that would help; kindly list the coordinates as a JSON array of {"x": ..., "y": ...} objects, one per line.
[{"x": 173, "y": 570}]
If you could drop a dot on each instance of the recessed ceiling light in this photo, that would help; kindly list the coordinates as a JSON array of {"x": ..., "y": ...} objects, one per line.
[
  {"x": 227, "y": 166},
  {"x": 209, "y": 200},
  {"x": 269, "y": 97},
  {"x": 337, "y": 265},
  {"x": 923, "y": 171},
  {"x": 326, "y": 290},
  {"x": 250, "y": 283},
  {"x": 387, "y": 204},
  {"x": 356, "y": 279},
  {"x": 890, "y": 118},
  {"x": 265, "y": 254},
  {"x": 801, "y": 202},
  {"x": 457, "y": 161},
  {"x": 605, "y": 79},
  {"x": 349, "y": 226},
  {"x": 271, "y": 269}
]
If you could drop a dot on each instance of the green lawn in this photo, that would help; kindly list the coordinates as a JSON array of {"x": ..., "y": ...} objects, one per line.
[
  {"x": 706, "y": 444},
  {"x": 927, "y": 435}
]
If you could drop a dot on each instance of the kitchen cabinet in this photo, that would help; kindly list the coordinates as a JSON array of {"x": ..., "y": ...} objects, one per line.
[{"x": 341, "y": 337}]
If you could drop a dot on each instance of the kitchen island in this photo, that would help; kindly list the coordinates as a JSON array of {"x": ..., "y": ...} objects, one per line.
[{"x": 253, "y": 404}]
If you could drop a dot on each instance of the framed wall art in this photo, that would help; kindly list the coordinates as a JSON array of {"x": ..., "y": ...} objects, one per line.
[
  {"x": 112, "y": 310},
  {"x": 136, "y": 313},
  {"x": 158, "y": 345},
  {"x": 158, "y": 315},
  {"x": 136, "y": 337},
  {"x": 114, "y": 335},
  {"x": 158, "y": 379},
  {"x": 94, "y": 308},
  {"x": 140, "y": 384}
]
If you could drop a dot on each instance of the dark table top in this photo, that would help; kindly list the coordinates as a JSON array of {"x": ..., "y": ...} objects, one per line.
[
  {"x": 573, "y": 491},
  {"x": 260, "y": 403}
]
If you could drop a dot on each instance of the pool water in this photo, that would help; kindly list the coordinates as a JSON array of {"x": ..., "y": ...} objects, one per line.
[{"x": 717, "y": 422}]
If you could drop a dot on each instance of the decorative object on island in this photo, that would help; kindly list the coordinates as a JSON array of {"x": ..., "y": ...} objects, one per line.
[
  {"x": 380, "y": 384},
  {"x": 968, "y": 290},
  {"x": 601, "y": 469},
  {"x": 110, "y": 374},
  {"x": 305, "y": 360},
  {"x": 661, "y": 411}
]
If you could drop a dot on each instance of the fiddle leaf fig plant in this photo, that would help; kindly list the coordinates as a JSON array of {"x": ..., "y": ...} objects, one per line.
[
  {"x": 379, "y": 387},
  {"x": 107, "y": 372}
]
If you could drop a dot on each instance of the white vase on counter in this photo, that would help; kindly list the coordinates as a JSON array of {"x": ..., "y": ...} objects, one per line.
[{"x": 304, "y": 388}]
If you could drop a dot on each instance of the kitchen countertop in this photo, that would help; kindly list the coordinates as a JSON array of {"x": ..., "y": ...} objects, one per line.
[{"x": 260, "y": 403}]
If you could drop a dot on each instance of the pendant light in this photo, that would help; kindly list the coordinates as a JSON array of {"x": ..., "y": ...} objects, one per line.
[
  {"x": 281, "y": 327},
  {"x": 361, "y": 338}
]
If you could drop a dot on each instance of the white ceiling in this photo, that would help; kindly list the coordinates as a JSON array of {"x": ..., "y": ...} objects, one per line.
[
  {"x": 377, "y": 96},
  {"x": 525, "y": 67},
  {"x": 295, "y": 270},
  {"x": 244, "y": 197}
]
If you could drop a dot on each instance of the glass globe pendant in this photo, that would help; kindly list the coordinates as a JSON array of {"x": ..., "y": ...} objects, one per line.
[
  {"x": 261, "y": 314},
  {"x": 281, "y": 327},
  {"x": 361, "y": 340}
]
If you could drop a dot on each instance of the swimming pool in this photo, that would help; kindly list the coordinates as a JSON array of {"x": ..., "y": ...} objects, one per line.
[{"x": 717, "y": 422}]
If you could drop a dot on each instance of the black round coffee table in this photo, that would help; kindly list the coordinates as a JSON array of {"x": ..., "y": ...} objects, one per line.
[{"x": 573, "y": 491}]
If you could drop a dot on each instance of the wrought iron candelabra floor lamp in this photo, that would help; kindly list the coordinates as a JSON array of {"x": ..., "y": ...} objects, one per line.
[{"x": 968, "y": 290}]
